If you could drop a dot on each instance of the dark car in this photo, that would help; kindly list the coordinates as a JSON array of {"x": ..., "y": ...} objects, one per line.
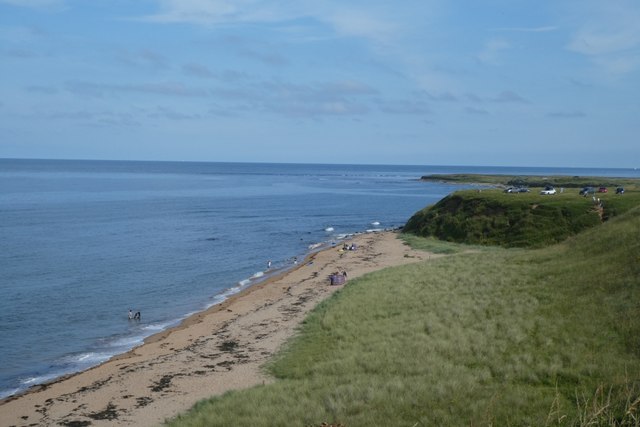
[
  {"x": 587, "y": 190},
  {"x": 620, "y": 190},
  {"x": 523, "y": 190}
]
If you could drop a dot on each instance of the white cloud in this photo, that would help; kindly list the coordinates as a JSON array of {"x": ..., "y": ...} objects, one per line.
[
  {"x": 392, "y": 34},
  {"x": 361, "y": 23},
  {"x": 220, "y": 12},
  {"x": 599, "y": 41},
  {"x": 610, "y": 36},
  {"x": 374, "y": 20}
]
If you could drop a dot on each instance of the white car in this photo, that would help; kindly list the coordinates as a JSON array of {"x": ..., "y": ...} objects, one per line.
[{"x": 548, "y": 190}]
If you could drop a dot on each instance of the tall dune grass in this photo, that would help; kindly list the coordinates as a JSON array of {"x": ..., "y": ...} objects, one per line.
[{"x": 547, "y": 337}]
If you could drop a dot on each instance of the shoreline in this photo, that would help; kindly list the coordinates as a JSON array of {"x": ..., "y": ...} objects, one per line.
[
  {"x": 178, "y": 323},
  {"x": 157, "y": 336},
  {"x": 219, "y": 349}
]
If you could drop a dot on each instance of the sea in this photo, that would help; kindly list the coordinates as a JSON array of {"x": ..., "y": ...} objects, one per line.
[{"x": 84, "y": 242}]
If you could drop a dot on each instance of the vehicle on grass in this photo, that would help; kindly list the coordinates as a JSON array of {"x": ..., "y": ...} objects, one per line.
[
  {"x": 620, "y": 190},
  {"x": 523, "y": 190},
  {"x": 602, "y": 190},
  {"x": 587, "y": 190},
  {"x": 548, "y": 190}
]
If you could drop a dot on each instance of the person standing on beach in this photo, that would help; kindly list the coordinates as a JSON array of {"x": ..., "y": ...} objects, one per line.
[{"x": 268, "y": 264}]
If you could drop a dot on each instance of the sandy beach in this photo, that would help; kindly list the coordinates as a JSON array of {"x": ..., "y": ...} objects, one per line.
[{"x": 221, "y": 349}]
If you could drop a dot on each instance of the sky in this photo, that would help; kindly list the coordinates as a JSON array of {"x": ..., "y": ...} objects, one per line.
[{"x": 424, "y": 82}]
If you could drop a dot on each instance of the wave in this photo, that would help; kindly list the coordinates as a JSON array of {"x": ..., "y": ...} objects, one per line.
[
  {"x": 344, "y": 236},
  {"x": 28, "y": 382},
  {"x": 90, "y": 358},
  {"x": 66, "y": 365},
  {"x": 159, "y": 326},
  {"x": 9, "y": 392}
]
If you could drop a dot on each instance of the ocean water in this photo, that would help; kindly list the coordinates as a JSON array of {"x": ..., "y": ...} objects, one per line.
[{"x": 82, "y": 242}]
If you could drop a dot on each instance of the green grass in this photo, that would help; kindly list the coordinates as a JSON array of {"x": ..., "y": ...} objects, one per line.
[
  {"x": 492, "y": 217},
  {"x": 547, "y": 337},
  {"x": 573, "y": 182},
  {"x": 431, "y": 244}
]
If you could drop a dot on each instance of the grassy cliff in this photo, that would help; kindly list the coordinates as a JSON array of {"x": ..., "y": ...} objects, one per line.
[
  {"x": 546, "y": 337},
  {"x": 492, "y": 217}
]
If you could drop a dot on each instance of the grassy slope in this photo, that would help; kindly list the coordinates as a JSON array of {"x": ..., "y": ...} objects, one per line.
[
  {"x": 515, "y": 220},
  {"x": 495, "y": 337}
]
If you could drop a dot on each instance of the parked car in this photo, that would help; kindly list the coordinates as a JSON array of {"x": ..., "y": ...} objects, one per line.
[
  {"x": 523, "y": 190},
  {"x": 510, "y": 190},
  {"x": 620, "y": 190},
  {"x": 587, "y": 190},
  {"x": 602, "y": 190},
  {"x": 548, "y": 190}
]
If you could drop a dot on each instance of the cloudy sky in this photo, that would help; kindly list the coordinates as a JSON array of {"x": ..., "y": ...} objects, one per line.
[{"x": 427, "y": 82}]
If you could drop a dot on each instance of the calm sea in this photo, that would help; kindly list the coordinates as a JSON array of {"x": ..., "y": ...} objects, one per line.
[{"x": 82, "y": 242}]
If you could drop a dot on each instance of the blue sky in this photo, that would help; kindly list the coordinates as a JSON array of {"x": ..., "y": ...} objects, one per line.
[{"x": 440, "y": 82}]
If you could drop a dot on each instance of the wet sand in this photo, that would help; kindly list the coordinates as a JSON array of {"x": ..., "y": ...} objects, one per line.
[{"x": 221, "y": 349}]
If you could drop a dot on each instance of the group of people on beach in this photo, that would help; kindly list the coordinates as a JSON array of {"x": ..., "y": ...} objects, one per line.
[
  {"x": 347, "y": 247},
  {"x": 133, "y": 316}
]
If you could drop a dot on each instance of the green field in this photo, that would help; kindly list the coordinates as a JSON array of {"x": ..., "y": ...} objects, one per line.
[{"x": 491, "y": 337}]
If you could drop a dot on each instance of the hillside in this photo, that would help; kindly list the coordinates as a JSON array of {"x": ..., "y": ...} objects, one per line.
[
  {"x": 543, "y": 337},
  {"x": 492, "y": 217}
]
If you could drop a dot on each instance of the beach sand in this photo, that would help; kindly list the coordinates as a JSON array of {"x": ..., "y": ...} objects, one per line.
[{"x": 221, "y": 349}]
